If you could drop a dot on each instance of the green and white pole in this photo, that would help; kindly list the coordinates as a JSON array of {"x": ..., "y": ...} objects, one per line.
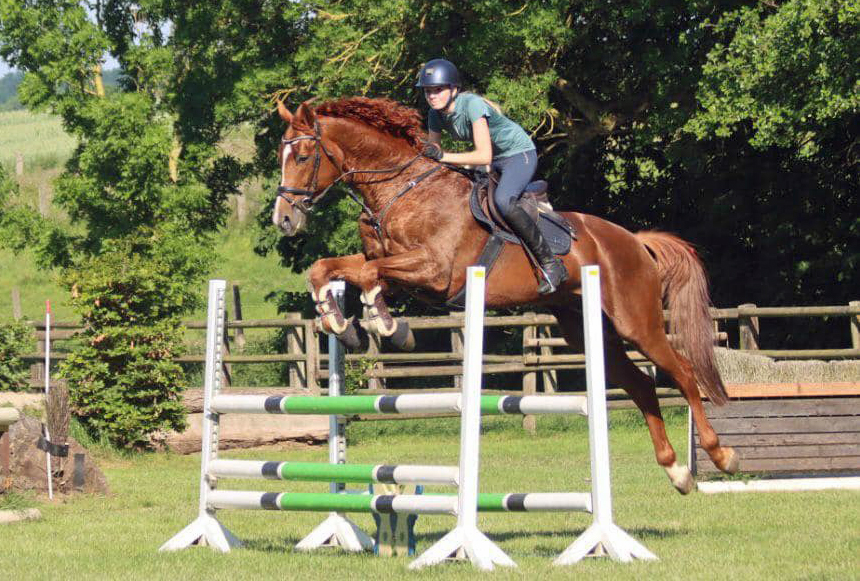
[
  {"x": 603, "y": 536},
  {"x": 336, "y": 530},
  {"x": 206, "y": 529},
  {"x": 466, "y": 541}
]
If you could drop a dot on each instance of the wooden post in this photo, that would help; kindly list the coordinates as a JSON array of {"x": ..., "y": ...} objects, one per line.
[
  {"x": 373, "y": 350},
  {"x": 457, "y": 345},
  {"x": 225, "y": 351},
  {"x": 296, "y": 343},
  {"x": 44, "y": 201},
  {"x": 529, "y": 377},
  {"x": 19, "y": 164},
  {"x": 241, "y": 208},
  {"x": 748, "y": 328},
  {"x": 239, "y": 334},
  {"x": 855, "y": 326},
  {"x": 37, "y": 370},
  {"x": 550, "y": 377},
  {"x": 16, "y": 303},
  {"x": 312, "y": 358}
]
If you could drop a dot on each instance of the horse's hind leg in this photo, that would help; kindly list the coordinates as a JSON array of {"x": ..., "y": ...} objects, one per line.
[
  {"x": 652, "y": 342},
  {"x": 622, "y": 372}
]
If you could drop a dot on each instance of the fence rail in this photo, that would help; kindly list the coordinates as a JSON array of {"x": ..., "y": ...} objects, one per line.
[{"x": 308, "y": 363}]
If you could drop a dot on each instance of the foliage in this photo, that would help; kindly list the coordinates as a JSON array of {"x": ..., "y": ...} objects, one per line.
[
  {"x": 16, "y": 339},
  {"x": 123, "y": 383},
  {"x": 790, "y": 74}
]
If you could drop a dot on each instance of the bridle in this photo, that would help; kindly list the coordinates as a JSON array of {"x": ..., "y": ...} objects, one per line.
[{"x": 310, "y": 195}]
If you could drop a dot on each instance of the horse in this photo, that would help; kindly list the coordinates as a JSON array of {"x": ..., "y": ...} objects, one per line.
[{"x": 418, "y": 235}]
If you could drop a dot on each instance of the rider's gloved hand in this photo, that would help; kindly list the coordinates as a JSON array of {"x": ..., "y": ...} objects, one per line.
[{"x": 432, "y": 151}]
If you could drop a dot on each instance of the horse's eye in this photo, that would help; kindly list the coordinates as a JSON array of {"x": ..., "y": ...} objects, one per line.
[{"x": 301, "y": 158}]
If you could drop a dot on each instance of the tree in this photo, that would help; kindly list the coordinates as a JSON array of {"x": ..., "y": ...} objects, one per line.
[{"x": 141, "y": 236}]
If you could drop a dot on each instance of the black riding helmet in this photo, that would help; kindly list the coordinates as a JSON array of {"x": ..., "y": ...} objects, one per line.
[{"x": 438, "y": 73}]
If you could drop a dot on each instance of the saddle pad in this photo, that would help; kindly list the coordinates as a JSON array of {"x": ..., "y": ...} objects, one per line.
[{"x": 557, "y": 231}]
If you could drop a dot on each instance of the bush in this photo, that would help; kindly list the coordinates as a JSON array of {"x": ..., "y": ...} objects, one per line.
[
  {"x": 16, "y": 339},
  {"x": 124, "y": 386}
]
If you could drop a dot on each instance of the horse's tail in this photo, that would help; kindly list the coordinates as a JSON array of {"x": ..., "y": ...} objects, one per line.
[{"x": 685, "y": 292}]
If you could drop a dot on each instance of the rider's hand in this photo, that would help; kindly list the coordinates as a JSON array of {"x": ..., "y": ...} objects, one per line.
[{"x": 432, "y": 151}]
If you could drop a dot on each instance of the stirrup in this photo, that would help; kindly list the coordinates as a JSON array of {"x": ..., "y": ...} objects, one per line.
[{"x": 547, "y": 286}]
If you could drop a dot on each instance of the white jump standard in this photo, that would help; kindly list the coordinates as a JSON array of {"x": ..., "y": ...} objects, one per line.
[{"x": 465, "y": 541}]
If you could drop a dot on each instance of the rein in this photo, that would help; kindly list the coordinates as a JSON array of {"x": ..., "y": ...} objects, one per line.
[{"x": 311, "y": 197}]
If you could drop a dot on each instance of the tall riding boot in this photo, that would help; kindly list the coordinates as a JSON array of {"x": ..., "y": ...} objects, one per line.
[{"x": 554, "y": 272}]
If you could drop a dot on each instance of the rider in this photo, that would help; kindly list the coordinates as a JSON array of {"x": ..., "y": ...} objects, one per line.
[{"x": 498, "y": 142}]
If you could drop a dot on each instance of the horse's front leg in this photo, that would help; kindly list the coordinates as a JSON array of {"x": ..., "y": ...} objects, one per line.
[
  {"x": 410, "y": 269},
  {"x": 331, "y": 318}
]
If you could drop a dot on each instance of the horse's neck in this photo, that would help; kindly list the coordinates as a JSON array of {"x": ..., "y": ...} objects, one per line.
[{"x": 375, "y": 152}]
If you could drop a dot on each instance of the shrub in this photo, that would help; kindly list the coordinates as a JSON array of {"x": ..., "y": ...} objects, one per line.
[
  {"x": 16, "y": 339},
  {"x": 124, "y": 386}
]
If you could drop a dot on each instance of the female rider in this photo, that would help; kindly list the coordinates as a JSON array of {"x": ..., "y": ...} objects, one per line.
[{"x": 498, "y": 142}]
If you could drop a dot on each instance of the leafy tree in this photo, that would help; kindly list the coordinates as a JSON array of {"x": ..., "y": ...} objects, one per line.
[{"x": 142, "y": 220}]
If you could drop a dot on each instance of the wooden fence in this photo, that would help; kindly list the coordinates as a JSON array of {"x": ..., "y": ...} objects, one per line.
[{"x": 537, "y": 363}]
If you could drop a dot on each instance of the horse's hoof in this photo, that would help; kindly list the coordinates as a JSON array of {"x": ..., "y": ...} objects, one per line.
[
  {"x": 350, "y": 337},
  {"x": 403, "y": 338},
  {"x": 681, "y": 478},
  {"x": 733, "y": 461}
]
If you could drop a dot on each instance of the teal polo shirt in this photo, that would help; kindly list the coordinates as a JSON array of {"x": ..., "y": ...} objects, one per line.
[{"x": 507, "y": 137}]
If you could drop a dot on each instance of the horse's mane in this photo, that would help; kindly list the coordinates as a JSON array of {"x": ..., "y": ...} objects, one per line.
[{"x": 387, "y": 115}]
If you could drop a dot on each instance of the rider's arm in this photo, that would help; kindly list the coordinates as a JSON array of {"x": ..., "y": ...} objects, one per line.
[{"x": 483, "y": 152}]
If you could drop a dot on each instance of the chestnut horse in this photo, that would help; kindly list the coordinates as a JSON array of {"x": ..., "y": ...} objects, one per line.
[{"x": 419, "y": 235}]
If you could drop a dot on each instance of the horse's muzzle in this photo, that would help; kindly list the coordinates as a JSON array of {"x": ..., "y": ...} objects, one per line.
[{"x": 289, "y": 220}]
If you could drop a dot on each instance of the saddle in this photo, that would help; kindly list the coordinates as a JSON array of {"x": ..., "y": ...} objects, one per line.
[{"x": 554, "y": 227}]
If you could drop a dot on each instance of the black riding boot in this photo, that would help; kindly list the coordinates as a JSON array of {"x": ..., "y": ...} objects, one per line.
[{"x": 553, "y": 268}]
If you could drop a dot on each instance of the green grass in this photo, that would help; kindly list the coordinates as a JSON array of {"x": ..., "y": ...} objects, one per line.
[
  {"x": 752, "y": 536},
  {"x": 38, "y": 137}
]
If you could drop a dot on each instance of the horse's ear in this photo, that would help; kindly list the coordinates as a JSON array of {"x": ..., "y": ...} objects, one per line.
[
  {"x": 285, "y": 113},
  {"x": 305, "y": 114}
]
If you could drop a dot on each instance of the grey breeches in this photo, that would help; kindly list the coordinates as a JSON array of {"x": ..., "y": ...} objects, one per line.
[{"x": 516, "y": 172}]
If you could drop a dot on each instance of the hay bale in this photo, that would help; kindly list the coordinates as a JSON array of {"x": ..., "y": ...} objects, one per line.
[{"x": 740, "y": 367}]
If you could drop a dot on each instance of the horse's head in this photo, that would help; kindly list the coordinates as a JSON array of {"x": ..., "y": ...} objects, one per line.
[{"x": 310, "y": 164}]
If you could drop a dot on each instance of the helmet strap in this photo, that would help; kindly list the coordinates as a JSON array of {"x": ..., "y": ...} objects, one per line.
[{"x": 454, "y": 92}]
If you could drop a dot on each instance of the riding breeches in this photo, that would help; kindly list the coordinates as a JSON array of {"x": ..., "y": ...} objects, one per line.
[{"x": 515, "y": 173}]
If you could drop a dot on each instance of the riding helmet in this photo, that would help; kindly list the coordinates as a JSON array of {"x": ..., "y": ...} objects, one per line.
[{"x": 438, "y": 73}]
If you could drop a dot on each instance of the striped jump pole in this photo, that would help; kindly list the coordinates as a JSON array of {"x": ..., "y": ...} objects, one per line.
[
  {"x": 603, "y": 536},
  {"x": 399, "y": 503}
]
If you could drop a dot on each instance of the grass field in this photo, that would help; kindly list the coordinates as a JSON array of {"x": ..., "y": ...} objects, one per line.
[
  {"x": 38, "y": 137},
  {"x": 754, "y": 536}
]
